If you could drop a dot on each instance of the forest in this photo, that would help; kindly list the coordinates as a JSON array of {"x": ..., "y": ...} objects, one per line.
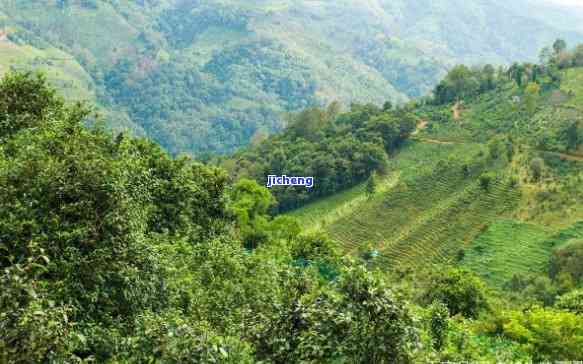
[
  {"x": 113, "y": 250},
  {"x": 208, "y": 76}
]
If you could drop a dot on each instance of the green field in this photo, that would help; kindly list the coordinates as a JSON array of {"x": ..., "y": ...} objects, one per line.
[
  {"x": 431, "y": 212},
  {"x": 427, "y": 211},
  {"x": 510, "y": 247}
]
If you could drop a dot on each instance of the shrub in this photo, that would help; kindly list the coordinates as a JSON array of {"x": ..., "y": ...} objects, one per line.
[
  {"x": 567, "y": 259},
  {"x": 547, "y": 334},
  {"x": 461, "y": 291},
  {"x": 572, "y": 301},
  {"x": 536, "y": 168}
]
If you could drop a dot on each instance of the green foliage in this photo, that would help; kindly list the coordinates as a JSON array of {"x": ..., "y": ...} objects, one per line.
[
  {"x": 461, "y": 291},
  {"x": 439, "y": 324},
  {"x": 359, "y": 320},
  {"x": 338, "y": 150},
  {"x": 547, "y": 334},
  {"x": 371, "y": 184},
  {"x": 26, "y": 102},
  {"x": 112, "y": 251},
  {"x": 171, "y": 338},
  {"x": 537, "y": 166},
  {"x": 462, "y": 83},
  {"x": 567, "y": 259},
  {"x": 32, "y": 326},
  {"x": 572, "y": 301},
  {"x": 486, "y": 180},
  {"x": 314, "y": 247},
  {"x": 206, "y": 75},
  {"x": 508, "y": 251},
  {"x": 250, "y": 203}
]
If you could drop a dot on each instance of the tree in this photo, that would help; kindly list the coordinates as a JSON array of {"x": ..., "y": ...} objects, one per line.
[
  {"x": 486, "y": 179},
  {"x": 459, "y": 83},
  {"x": 488, "y": 78},
  {"x": 358, "y": 320},
  {"x": 250, "y": 203},
  {"x": 536, "y": 168},
  {"x": 27, "y": 101},
  {"x": 572, "y": 135},
  {"x": 531, "y": 96},
  {"x": 572, "y": 302},
  {"x": 371, "y": 184},
  {"x": 545, "y": 56},
  {"x": 559, "y": 46},
  {"x": 578, "y": 56},
  {"x": 461, "y": 291},
  {"x": 516, "y": 72},
  {"x": 547, "y": 334},
  {"x": 567, "y": 259},
  {"x": 438, "y": 324}
]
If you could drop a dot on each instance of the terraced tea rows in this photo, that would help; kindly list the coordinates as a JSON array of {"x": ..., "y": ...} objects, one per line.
[
  {"x": 428, "y": 223},
  {"x": 509, "y": 247},
  {"x": 512, "y": 247},
  {"x": 437, "y": 208}
]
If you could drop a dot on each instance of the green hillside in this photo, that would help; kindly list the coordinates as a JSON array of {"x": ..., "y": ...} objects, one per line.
[
  {"x": 490, "y": 183},
  {"x": 449, "y": 229},
  {"x": 209, "y": 75}
]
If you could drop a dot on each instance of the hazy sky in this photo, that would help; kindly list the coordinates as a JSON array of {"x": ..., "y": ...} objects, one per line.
[{"x": 578, "y": 3}]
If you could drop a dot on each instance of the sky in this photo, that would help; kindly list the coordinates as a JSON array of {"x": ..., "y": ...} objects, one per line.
[{"x": 577, "y": 3}]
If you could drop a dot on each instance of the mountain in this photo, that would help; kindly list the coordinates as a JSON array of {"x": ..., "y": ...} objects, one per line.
[
  {"x": 210, "y": 75},
  {"x": 461, "y": 239}
]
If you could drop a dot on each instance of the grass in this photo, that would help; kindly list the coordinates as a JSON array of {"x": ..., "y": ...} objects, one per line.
[
  {"x": 509, "y": 247},
  {"x": 61, "y": 69},
  {"x": 427, "y": 211}
]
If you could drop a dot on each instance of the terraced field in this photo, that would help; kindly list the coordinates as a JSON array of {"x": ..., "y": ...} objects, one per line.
[
  {"x": 414, "y": 157},
  {"x": 433, "y": 211},
  {"x": 510, "y": 247}
]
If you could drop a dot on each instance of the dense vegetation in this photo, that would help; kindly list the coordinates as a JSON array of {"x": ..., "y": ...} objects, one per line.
[
  {"x": 338, "y": 149},
  {"x": 210, "y": 75},
  {"x": 113, "y": 251}
]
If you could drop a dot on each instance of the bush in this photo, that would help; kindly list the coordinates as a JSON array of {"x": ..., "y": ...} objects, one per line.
[
  {"x": 547, "y": 334},
  {"x": 567, "y": 259},
  {"x": 536, "y": 168},
  {"x": 461, "y": 291},
  {"x": 438, "y": 324},
  {"x": 572, "y": 301},
  {"x": 486, "y": 180}
]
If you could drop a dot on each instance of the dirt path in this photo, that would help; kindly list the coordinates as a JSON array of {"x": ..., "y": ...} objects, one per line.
[
  {"x": 421, "y": 124},
  {"x": 457, "y": 110},
  {"x": 567, "y": 157},
  {"x": 435, "y": 141}
]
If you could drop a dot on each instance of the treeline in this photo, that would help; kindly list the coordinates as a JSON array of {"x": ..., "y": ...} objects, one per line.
[
  {"x": 338, "y": 149},
  {"x": 111, "y": 251},
  {"x": 462, "y": 82}
]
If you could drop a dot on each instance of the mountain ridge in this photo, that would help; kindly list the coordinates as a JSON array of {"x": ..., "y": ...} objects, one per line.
[{"x": 209, "y": 75}]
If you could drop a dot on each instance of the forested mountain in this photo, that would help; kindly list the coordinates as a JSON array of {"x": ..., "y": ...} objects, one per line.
[
  {"x": 463, "y": 244},
  {"x": 209, "y": 75}
]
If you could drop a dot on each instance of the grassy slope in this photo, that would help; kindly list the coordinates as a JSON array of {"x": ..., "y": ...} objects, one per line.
[
  {"x": 61, "y": 68},
  {"x": 510, "y": 247},
  {"x": 432, "y": 213}
]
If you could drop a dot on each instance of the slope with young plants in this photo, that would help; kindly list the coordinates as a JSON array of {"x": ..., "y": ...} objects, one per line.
[{"x": 489, "y": 180}]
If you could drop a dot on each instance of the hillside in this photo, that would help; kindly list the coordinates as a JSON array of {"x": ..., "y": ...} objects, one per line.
[
  {"x": 209, "y": 75},
  {"x": 495, "y": 189},
  {"x": 449, "y": 229}
]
